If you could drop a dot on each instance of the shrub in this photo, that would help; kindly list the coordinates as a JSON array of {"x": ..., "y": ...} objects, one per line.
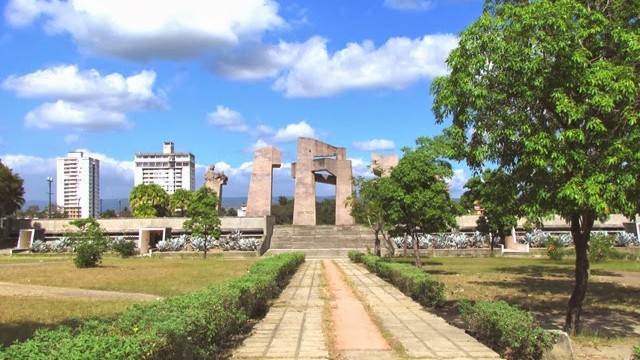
[
  {"x": 196, "y": 325},
  {"x": 356, "y": 256},
  {"x": 506, "y": 329},
  {"x": 39, "y": 246},
  {"x": 89, "y": 253},
  {"x": 412, "y": 281},
  {"x": 124, "y": 248},
  {"x": 636, "y": 353},
  {"x": 601, "y": 247},
  {"x": 555, "y": 248}
]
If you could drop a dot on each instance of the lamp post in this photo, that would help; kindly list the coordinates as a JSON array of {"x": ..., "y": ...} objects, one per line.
[{"x": 49, "y": 180}]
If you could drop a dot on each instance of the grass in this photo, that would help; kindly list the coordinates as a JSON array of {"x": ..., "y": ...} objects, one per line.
[
  {"x": 611, "y": 308},
  {"x": 164, "y": 276},
  {"x": 21, "y": 315}
]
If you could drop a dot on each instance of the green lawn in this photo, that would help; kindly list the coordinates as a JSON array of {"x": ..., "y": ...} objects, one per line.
[{"x": 21, "y": 315}]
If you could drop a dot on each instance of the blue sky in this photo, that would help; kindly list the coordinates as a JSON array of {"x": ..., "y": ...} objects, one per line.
[{"x": 219, "y": 79}]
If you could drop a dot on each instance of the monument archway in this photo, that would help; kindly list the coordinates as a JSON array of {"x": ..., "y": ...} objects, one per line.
[{"x": 319, "y": 162}]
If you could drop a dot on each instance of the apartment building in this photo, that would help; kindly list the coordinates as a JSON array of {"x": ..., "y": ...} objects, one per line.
[
  {"x": 168, "y": 169},
  {"x": 78, "y": 185}
]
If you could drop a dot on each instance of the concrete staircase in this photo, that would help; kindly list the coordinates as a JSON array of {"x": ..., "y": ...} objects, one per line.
[{"x": 321, "y": 241}]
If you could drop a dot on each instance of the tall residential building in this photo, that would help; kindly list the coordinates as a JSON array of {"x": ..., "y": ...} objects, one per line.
[
  {"x": 78, "y": 185},
  {"x": 168, "y": 169}
]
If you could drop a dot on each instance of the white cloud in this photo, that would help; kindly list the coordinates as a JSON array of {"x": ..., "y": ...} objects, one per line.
[
  {"x": 228, "y": 119},
  {"x": 292, "y": 132},
  {"x": 456, "y": 184},
  {"x": 415, "y": 5},
  {"x": 28, "y": 165},
  {"x": 258, "y": 145},
  {"x": 394, "y": 65},
  {"x": 374, "y": 145},
  {"x": 359, "y": 168},
  {"x": 71, "y": 138},
  {"x": 146, "y": 29},
  {"x": 85, "y": 100}
]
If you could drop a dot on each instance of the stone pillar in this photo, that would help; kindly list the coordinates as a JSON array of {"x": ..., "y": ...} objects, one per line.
[
  {"x": 383, "y": 164},
  {"x": 214, "y": 181},
  {"x": 344, "y": 188},
  {"x": 304, "y": 207},
  {"x": 261, "y": 186}
]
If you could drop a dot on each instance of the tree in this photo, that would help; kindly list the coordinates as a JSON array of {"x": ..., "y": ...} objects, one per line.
[
  {"x": 89, "y": 241},
  {"x": 497, "y": 196},
  {"x": 179, "y": 202},
  {"x": 326, "y": 212},
  {"x": 232, "y": 212},
  {"x": 548, "y": 91},
  {"x": 149, "y": 200},
  {"x": 125, "y": 212},
  {"x": 203, "y": 216},
  {"x": 11, "y": 191},
  {"x": 108, "y": 214},
  {"x": 368, "y": 208},
  {"x": 283, "y": 210},
  {"x": 417, "y": 197}
]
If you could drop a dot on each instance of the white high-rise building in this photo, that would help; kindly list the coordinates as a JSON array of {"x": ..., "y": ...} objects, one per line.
[
  {"x": 78, "y": 185},
  {"x": 168, "y": 169}
]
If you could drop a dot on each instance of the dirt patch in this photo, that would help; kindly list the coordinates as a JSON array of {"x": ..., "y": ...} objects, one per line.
[
  {"x": 10, "y": 289},
  {"x": 353, "y": 327}
]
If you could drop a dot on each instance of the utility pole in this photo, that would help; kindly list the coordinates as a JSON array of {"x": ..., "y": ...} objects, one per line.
[{"x": 49, "y": 180}]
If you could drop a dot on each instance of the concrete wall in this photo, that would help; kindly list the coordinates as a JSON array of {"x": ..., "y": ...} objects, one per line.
[{"x": 133, "y": 225}]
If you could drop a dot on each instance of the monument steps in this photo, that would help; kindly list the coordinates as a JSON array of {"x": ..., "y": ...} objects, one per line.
[{"x": 320, "y": 237}]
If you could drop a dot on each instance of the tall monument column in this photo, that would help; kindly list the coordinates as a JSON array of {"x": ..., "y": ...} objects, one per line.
[
  {"x": 261, "y": 186},
  {"x": 323, "y": 163}
]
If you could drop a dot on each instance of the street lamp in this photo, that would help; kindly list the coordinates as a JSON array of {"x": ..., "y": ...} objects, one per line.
[{"x": 49, "y": 180}]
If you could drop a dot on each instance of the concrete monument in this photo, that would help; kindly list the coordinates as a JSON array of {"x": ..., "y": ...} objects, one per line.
[
  {"x": 323, "y": 163},
  {"x": 261, "y": 186},
  {"x": 214, "y": 181},
  {"x": 383, "y": 164}
]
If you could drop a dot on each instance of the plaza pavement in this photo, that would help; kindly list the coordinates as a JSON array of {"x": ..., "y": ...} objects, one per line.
[{"x": 293, "y": 327}]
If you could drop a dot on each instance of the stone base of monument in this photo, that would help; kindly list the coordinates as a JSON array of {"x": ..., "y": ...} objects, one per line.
[
  {"x": 562, "y": 349},
  {"x": 320, "y": 241}
]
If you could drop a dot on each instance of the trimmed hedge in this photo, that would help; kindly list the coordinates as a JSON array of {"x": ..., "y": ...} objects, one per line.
[
  {"x": 636, "y": 352},
  {"x": 196, "y": 325},
  {"x": 412, "y": 281},
  {"x": 506, "y": 329}
]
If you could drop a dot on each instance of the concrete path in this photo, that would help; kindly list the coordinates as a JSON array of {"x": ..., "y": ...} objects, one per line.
[{"x": 293, "y": 327}]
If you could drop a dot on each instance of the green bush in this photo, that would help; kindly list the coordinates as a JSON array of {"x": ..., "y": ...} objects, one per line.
[
  {"x": 555, "y": 248},
  {"x": 601, "y": 247},
  {"x": 88, "y": 253},
  {"x": 412, "y": 281},
  {"x": 506, "y": 329},
  {"x": 124, "y": 248},
  {"x": 356, "y": 256},
  {"x": 636, "y": 352},
  {"x": 196, "y": 325}
]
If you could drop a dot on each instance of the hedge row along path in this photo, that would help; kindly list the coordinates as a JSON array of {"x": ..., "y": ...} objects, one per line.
[
  {"x": 11, "y": 289},
  {"x": 293, "y": 327}
]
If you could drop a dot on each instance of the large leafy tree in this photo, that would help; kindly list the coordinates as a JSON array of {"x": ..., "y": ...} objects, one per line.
[
  {"x": 203, "y": 216},
  {"x": 548, "y": 91},
  {"x": 496, "y": 194},
  {"x": 180, "y": 201},
  {"x": 368, "y": 208},
  {"x": 417, "y": 196},
  {"x": 149, "y": 200},
  {"x": 11, "y": 191}
]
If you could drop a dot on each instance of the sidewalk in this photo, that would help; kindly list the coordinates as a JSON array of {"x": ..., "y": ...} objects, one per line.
[{"x": 292, "y": 328}]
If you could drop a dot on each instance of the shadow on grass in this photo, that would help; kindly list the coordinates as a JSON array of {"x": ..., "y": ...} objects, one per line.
[
  {"x": 548, "y": 299},
  {"x": 23, "y": 330},
  {"x": 549, "y": 270}
]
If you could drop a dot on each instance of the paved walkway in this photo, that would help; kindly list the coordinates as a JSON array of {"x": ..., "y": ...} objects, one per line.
[{"x": 293, "y": 327}]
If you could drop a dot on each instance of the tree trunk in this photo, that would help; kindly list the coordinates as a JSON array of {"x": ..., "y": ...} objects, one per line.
[
  {"x": 204, "y": 255},
  {"x": 416, "y": 250},
  {"x": 581, "y": 225},
  {"x": 491, "y": 241},
  {"x": 387, "y": 243},
  {"x": 376, "y": 244},
  {"x": 404, "y": 244}
]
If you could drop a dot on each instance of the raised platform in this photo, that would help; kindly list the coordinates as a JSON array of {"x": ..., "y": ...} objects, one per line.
[{"x": 289, "y": 237}]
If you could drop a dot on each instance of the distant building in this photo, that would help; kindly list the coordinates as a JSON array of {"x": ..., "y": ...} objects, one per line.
[
  {"x": 78, "y": 185},
  {"x": 168, "y": 169}
]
